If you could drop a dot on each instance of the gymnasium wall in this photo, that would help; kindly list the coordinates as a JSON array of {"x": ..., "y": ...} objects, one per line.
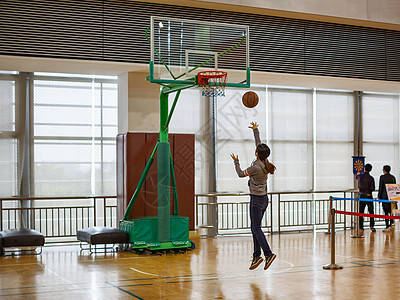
[{"x": 113, "y": 31}]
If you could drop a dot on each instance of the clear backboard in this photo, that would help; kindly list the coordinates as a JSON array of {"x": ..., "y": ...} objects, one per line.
[{"x": 180, "y": 49}]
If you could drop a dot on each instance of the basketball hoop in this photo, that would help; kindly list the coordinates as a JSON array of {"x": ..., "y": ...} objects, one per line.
[{"x": 212, "y": 82}]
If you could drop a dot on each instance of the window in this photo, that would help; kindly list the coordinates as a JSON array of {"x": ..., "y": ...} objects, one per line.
[
  {"x": 75, "y": 125},
  {"x": 334, "y": 140},
  {"x": 290, "y": 136},
  {"x": 234, "y": 136},
  {"x": 58, "y": 137},
  {"x": 191, "y": 116},
  {"x": 8, "y": 136},
  {"x": 380, "y": 116},
  {"x": 310, "y": 133}
]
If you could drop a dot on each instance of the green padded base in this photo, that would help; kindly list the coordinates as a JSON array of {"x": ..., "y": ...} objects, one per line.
[{"x": 143, "y": 233}]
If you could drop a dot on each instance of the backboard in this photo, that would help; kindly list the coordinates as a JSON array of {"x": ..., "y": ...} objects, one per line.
[{"x": 181, "y": 48}]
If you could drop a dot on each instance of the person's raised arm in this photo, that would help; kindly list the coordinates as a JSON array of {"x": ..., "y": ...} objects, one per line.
[
  {"x": 239, "y": 171},
  {"x": 250, "y": 171},
  {"x": 256, "y": 132}
]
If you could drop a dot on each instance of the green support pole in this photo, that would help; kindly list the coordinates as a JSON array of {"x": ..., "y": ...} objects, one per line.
[
  {"x": 175, "y": 193},
  {"x": 163, "y": 117},
  {"x": 140, "y": 184},
  {"x": 163, "y": 170},
  {"x": 163, "y": 186}
]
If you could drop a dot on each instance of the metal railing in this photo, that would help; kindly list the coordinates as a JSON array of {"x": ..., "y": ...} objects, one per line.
[
  {"x": 58, "y": 218},
  {"x": 228, "y": 213}
]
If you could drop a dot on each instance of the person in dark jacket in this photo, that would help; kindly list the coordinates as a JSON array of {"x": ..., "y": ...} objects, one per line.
[
  {"x": 366, "y": 185},
  {"x": 258, "y": 173},
  {"x": 382, "y": 193}
]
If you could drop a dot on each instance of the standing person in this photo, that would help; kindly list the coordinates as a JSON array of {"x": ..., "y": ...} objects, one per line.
[
  {"x": 366, "y": 185},
  {"x": 382, "y": 193},
  {"x": 258, "y": 173}
]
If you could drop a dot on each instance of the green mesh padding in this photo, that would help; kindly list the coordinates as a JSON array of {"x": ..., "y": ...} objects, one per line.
[{"x": 144, "y": 231}]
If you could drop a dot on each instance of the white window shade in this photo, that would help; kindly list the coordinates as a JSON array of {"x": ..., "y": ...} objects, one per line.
[
  {"x": 233, "y": 135},
  {"x": 191, "y": 116},
  {"x": 381, "y": 132},
  {"x": 8, "y": 139},
  {"x": 290, "y": 134},
  {"x": 290, "y": 114},
  {"x": 380, "y": 118},
  {"x": 75, "y": 125},
  {"x": 233, "y": 118},
  {"x": 228, "y": 180},
  {"x": 334, "y": 140},
  {"x": 335, "y": 116},
  {"x": 334, "y": 166}
]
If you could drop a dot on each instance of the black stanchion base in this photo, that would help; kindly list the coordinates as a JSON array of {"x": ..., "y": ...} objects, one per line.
[
  {"x": 327, "y": 232},
  {"x": 332, "y": 267}
]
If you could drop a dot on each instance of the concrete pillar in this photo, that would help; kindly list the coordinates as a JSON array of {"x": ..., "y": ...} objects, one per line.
[{"x": 138, "y": 109}]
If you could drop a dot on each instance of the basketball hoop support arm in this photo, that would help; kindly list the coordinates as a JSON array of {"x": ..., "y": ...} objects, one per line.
[{"x": 158, "y": 54}]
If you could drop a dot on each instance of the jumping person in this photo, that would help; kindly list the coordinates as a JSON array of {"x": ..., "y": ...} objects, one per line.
[
  {"x": 366, "y": 185},
  {"x": 382, "y": 193},
  {"x": 258, "y": 173}
]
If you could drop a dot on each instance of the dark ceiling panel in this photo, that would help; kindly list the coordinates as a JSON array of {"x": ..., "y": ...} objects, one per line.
[{"x": 113, "y": 30}]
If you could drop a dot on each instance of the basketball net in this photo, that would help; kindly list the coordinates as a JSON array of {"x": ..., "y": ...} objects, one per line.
[{"x": 212, "y": 82}]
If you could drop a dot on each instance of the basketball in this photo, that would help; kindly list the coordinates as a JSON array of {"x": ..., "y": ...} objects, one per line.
[{"x": 250, "y": 99}]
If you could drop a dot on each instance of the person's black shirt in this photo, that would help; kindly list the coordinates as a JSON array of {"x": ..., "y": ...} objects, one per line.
[
  {"x": 383, "y": 180},
  {"x": 366, "y": 183}
]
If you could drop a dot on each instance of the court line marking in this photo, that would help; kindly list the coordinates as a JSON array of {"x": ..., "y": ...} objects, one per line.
[
  {"x": 122, "y": 290},
  {"x": 343, "y": 256},
  {"x": 136, "y": 270},
  {"x": 291, "y": 266},
  {"x": 129, "y": 285},
  {"x": 310, "y": 268},
  {"x": 133, "y": 279},
  {"x": 241, "y": 274},
  {"x": 258, "y": 275},
  {"x": 73, "y": 284},
  {"x": 190, "y": 275},
  {"x": 42, "y": 292}
]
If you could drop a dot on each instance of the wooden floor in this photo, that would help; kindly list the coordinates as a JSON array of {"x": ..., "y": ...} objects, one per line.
[{"x": 216, "y": 269}]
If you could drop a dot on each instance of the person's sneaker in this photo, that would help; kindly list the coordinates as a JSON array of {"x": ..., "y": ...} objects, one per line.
[
  {"x": 268, "y": 260},
  {"x": 386, "y": 229},
  {"x": 373, "y": 229},
  {"x": 256, "y": 262},
  {"x": 361, "y": 231}
]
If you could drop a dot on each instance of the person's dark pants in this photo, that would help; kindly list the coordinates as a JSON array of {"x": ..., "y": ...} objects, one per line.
[
  {"x": 370, "y": 211},
  {"x": 387, "y": 208},
  {"x": 258, "y": 205}
]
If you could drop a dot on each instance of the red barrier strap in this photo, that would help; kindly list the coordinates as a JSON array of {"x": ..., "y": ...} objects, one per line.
[{"x": 366, "y": 215}]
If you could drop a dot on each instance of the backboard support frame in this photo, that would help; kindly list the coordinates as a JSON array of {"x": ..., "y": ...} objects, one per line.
[{"x": 214, "y": 46}]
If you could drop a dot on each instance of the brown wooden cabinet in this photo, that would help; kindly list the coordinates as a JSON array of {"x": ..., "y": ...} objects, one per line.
[{"x": 133, "y": 152}]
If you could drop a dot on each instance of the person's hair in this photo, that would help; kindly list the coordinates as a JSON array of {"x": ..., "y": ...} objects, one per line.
[
  {"x": 387, "y": 168},
  {"x": 368, "y": 168},
  {"x": 263, "y": 152}
]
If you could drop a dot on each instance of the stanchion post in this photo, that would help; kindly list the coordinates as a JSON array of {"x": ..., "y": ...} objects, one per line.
[
  {"x": 330, "y": 216},
  {"x": 332, "y": 265},
  {"x": 358, "y": 233}
]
